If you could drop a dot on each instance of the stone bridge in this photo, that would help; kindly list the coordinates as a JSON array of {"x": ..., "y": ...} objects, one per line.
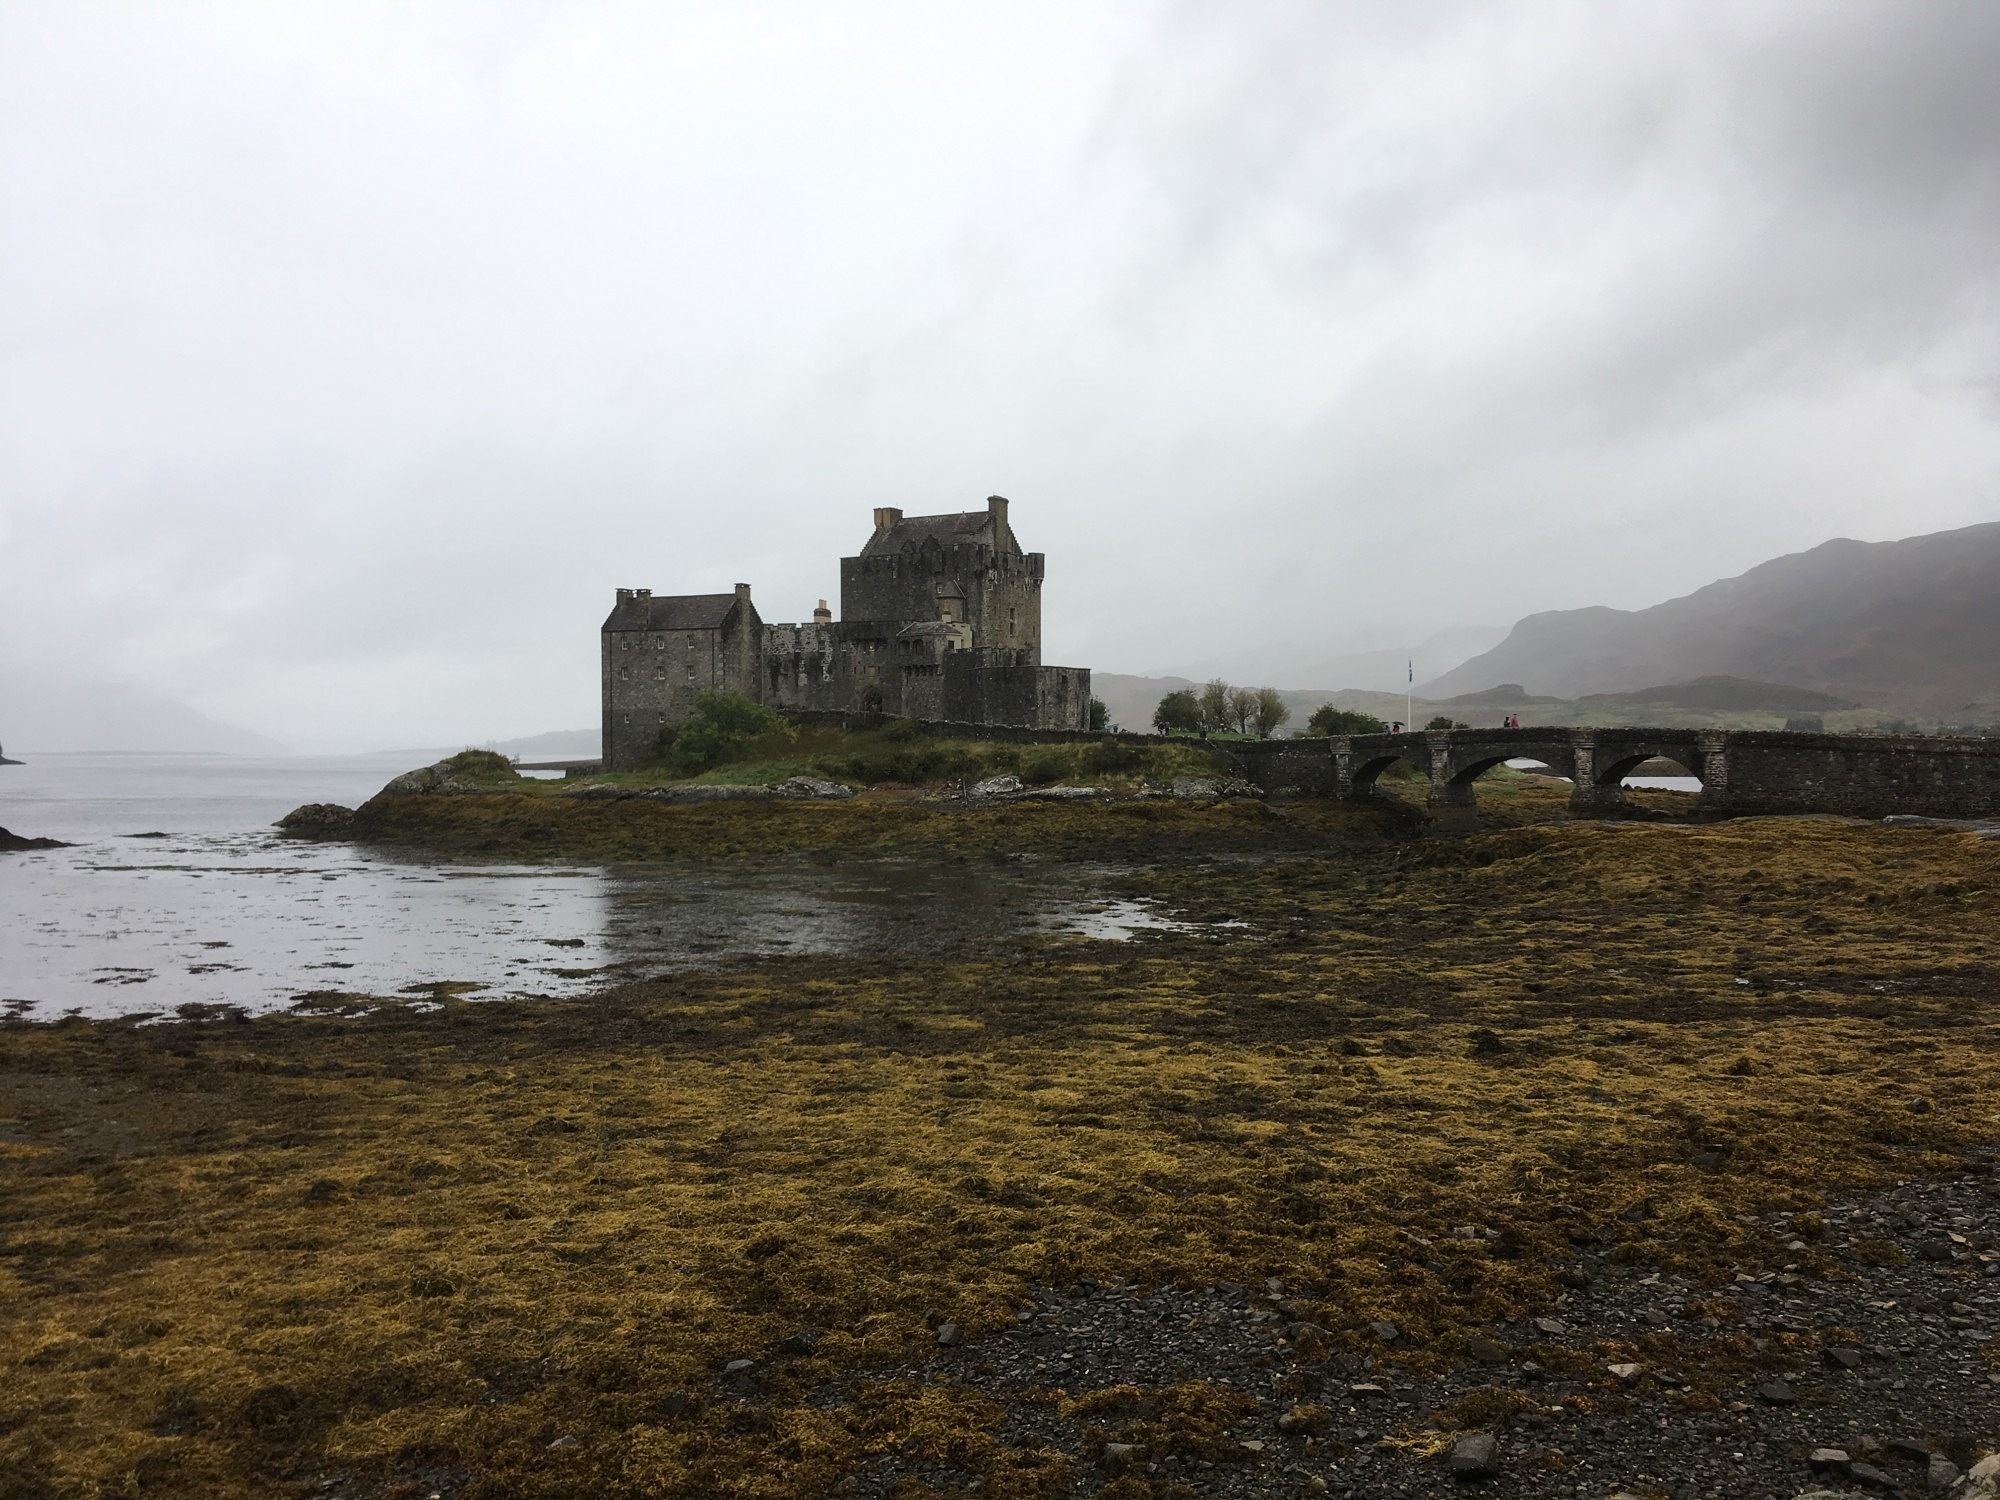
[{"x": 1741, "y": 771}]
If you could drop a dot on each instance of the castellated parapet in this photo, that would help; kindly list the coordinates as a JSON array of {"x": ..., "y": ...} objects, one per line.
[{"x": 940, "y": 619}]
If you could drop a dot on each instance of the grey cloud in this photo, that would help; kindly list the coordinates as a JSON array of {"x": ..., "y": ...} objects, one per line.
[{"x": 349, "y": 358}]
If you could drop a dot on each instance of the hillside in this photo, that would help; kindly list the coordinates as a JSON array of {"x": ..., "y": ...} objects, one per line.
[
  {"x": 48, "y": 712},
  {"x": 1910, "y": 626}
]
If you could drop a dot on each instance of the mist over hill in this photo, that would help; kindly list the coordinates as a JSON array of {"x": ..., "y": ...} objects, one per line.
[
  {"x": 1911, "y": 626},
  {"x": 48, "y": 713}
]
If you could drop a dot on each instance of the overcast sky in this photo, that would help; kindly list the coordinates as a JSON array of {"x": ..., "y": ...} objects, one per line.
[{"x": 351, "y": 355}]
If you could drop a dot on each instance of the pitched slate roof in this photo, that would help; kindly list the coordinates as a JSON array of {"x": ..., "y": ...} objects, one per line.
[
  {"x": 914, "y": 531},
  {"x": 672, "y": 612}
]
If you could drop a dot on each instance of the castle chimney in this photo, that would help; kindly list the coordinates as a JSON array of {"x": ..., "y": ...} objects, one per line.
[
  {"x": 822, "y": 615},
  {"x": 996, "y": 507},
  {"x": 886, "y": 516},
  {"x": 743, "y": 592}
]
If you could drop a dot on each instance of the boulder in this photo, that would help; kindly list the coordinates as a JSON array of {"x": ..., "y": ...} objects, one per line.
[
  {"x": 1474, "y": 1456},
  {"x": 317, "y": 820},
  {"x": 997, "y": 786},
  {"x": 812, "y": 788}
]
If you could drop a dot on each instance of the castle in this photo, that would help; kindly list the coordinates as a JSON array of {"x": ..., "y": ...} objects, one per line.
[{"x": 940, "y": 619}]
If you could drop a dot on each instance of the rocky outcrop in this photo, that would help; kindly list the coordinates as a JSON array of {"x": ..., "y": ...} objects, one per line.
[
  {"x": 793, "y": 789},
  {"x": 317, "y": 820},
  {"x": 438, "y": 780},
  {"x": 13, "y": 843}
]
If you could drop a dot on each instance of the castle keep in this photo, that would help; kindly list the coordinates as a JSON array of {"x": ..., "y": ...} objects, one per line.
[{"x": 940, "y": 619}]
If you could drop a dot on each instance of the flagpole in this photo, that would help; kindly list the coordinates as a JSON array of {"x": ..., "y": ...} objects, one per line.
[{"x": 1409, "y": 690}]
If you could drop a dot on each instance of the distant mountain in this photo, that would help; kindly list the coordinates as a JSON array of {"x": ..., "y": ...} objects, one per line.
[
  {"x": 1911, "y": 626},
  {"x": 556, "y": 744},
  {"x": 553, "y": 744},
  {"x": 54, "y": 713},
  {"x": 1725, "y": 695}
]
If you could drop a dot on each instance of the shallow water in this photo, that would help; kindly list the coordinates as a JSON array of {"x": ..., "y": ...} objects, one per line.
[
  {"x": 1665, "y": 783},
  {"x": 177, "y": 892}
]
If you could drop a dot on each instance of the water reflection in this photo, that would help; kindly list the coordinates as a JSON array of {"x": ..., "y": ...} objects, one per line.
[{"x": 134, "y": 925}]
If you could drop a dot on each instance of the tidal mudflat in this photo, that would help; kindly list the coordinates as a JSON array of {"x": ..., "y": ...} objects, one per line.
[{"x": 1575, "y": 1137}]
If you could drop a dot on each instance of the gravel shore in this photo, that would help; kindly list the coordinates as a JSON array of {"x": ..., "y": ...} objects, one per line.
[{"x": 1872, "y": 1333}]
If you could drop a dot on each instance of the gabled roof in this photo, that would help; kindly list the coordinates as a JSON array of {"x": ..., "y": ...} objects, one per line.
[
  {"x": 914, "y": 531},
  {"x": 672, "y": 612}
]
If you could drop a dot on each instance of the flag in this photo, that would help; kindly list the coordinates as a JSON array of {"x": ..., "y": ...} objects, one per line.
[{"x": 1413, "y": 669}]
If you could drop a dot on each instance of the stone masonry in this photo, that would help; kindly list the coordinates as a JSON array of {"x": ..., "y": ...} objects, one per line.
[
  {"x": 1743, "y": 772},
  {"x": 940, "y": 619}
]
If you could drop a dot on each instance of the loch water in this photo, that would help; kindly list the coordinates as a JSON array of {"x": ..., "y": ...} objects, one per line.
[{"x": 177, "y": 891}]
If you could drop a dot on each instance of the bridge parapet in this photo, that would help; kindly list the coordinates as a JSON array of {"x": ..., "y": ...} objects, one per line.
[{"x": 1741, "y": 771}]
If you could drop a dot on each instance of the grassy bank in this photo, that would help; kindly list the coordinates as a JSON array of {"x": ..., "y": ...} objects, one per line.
[
  {"x": 510, "y": 1250},
  {"x": 901, "y": 752}
]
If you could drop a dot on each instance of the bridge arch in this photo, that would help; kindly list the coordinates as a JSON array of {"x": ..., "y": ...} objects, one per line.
[{"x": 1366, "y": 768}]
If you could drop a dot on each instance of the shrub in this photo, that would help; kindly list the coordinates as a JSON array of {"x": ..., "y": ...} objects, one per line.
[
  {"x": 1108, "y": 757},
  {"x": 481, "y": 763},
  {"x": 920, "y": 762},
  {"x": 1328, "y": 720},
  {"x": 1100, "y": 715},
  {"x": 1443, "y": 723},
  {"x": 1047, "y": 765},
  {"x": 723, "y": 727}
]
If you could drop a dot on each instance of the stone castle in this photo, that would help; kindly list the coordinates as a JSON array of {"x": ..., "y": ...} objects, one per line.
[{"x": 940, "y": 619}]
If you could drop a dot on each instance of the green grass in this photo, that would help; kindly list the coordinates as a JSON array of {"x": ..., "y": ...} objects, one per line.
[{"x": 901, "y": 754}]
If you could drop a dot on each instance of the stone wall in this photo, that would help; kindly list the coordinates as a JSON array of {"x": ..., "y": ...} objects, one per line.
[
  {"x": 1868, "y": 776},
  {"x": 800, "y": 666},
  {"x": 1301, "y": 767}
]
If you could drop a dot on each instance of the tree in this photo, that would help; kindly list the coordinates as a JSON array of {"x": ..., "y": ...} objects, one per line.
[
  {"x": 1328, "y": 720},
  {"x": 1215, "y": 706},
  {"x": 1179, "y": 713},
  {"x": 1272, "y": 710},
  {"x": 1444, "y": 722},
  {"x": 1242, "y": 708},
  {"x": 1100, "y": 715}
]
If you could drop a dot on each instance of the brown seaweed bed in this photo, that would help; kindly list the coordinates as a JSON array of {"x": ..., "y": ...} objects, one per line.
[{"x": 514, "y": 1249}]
